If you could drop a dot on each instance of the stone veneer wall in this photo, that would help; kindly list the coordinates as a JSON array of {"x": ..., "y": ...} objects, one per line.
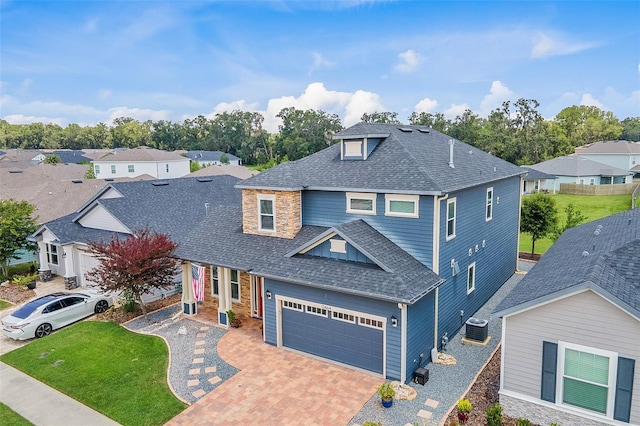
[
  {"x": 243, "y": 309},
  {"x": 542, "y": 415},
  {"x": 287, "y": 211}
]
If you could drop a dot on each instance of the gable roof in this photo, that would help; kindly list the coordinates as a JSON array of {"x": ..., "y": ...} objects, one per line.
[
  {"x": 219, "y": 241},
  {"x": 209, "y": 156},
  {"x": 409, "y": 159},
  {"x": 174, "y": 206},
  {"x": 574, "y": 165},
  {"x": 610, "y": 147},
  {"x": 141, "y": 153},
  {"x": 69, "y": 156},
  {"x": 533, "y": 174},
  {"x": 603, "y": 255}
]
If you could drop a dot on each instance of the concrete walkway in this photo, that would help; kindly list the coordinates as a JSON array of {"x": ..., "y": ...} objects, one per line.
[{"x": 43, "y": 405}]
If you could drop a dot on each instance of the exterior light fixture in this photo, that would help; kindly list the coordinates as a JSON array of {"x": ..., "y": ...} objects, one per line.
[
  {"x": 394, "y": 321},
  {"x": 268, "y": 295}
]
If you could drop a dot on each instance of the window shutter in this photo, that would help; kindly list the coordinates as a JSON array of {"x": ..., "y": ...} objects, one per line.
[
  {"x": 549, "y": 367},
  {"x": 624, "y": 388}
]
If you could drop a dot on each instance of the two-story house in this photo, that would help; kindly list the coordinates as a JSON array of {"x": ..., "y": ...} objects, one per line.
[
  {"x": 365, "y": 253},
  {"x": 620, "y": 154},
  {"x": 141, "y": 161}
]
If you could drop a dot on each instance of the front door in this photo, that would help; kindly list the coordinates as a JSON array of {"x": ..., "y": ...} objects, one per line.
[{"x": 256, "y": 300}]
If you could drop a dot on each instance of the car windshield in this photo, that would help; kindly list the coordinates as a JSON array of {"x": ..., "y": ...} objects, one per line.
[{"x": 29, "y": 307}]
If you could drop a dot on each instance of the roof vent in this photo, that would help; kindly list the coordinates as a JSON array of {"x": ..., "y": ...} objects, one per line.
[
  {"x": 160, "y": 183},
  {"x": 585, "y": 253},
  {"x": 77, "y": 181},
  {"x": 405, "y": 129},
  {"x": 206, "y": 209},
  {"x": 15, "y": 171},
  {"x": 109, "y": 180},
  {"x": 204, "y": 179},
  {"x": 423, "y": 130},
  {"x": 596, "y": 232},
  {"x": 451, "y": 154}
]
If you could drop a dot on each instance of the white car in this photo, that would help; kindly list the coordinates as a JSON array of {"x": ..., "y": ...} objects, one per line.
[{"x": 39, "y": 317}]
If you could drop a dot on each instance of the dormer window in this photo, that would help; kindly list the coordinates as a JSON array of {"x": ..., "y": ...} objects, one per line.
[{"x": 353, "y": 148}]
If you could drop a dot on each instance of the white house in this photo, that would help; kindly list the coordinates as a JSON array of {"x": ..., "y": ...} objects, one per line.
[
  {"x": 141, "y": 161},
  {"x": 621, "y": 154}
]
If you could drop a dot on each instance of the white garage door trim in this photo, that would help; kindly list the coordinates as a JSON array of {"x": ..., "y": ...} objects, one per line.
[{"x": 364, "y": 319}]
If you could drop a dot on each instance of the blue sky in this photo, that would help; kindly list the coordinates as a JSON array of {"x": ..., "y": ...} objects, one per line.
[{"x": 92, "y": 61}]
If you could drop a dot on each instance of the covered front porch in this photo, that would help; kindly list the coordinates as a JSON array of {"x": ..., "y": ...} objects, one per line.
[{"x": 210, "y": 292}]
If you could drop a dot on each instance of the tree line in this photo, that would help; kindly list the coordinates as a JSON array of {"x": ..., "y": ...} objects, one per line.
[{"x": 515, "y": 132}]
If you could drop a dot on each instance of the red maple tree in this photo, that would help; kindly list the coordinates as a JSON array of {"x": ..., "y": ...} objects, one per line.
[{"x": 140, "y": 263}]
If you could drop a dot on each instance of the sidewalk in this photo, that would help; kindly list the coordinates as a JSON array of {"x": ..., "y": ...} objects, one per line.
[{"x": 42, "y": 405}]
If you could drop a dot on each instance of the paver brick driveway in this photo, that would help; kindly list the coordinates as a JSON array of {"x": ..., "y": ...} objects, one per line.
[{"x": 278, "y": 387}]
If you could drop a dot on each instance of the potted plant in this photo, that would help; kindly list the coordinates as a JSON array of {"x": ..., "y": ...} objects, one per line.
[
  {"x": 387, "y": 392},
  {"x": 464, "y": 408},
  {"x": 233, "y": 321},
  {"x": 26, "y": 280}
]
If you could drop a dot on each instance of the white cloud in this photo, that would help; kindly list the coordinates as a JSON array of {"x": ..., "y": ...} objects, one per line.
[
  {"x": 498, "y": 93},
  {"x": 455, "y": 110},
  {"x": 320, "y": 62},
  {"x": 28, "y": 119},
  {"x": 426, "y": 105},
  {"x": 361, "y": 102},
  {"x": 589, "y": 100},
  {"x": 410, "y": 62},
  {"x": 545, "y": 45},
  {"x": 140, "y": 114}
]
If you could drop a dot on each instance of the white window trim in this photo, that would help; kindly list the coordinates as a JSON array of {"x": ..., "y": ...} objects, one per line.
[
  {"x": 131, "y": 168},
  {"x": 96, "y": 168},
  {"x": 338, "y": 246},
  {"x": 488, "y": 204},
  {"x": 362, "y": 196},
  {"x": 215, "y": 277},
  {"x": 113, "y": 169},
  {"x": 455, "y": 219},
  {"x": 335, "y": 311},
  {"x": 293, "y": 305},
  {"x": 613, "y": 368},
  {"x": 314, "y": 309},
  {"x": 231, "y": 283},
  {"x": 471, "y": 266},
  {"x": 362, "y": 320},
  {"x": 267, "y": 197},
  {"x": 592, "y": 181},
  {"x": 50, "y": 254},
  {"x": 350, "y": 150},
  {"x": 388, "y": 198}
]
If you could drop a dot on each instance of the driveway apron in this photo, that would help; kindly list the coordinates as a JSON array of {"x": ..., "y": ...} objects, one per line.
[{"x": 276, "y": 386}]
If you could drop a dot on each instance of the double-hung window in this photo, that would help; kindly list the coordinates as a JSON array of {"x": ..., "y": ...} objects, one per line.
[
  {"x": 235, "y": 285},
  {"x": 215, "y": 282},
  {"x": 52, "y": 254},
  {"x": 489, "y": 204},
  {"x": 266, "y": 212},
  {"x": 131, "y": 168},
  {"x": 113, "y": 169},
  {"x": 96, "y": 167},
  {"x": 361, "y": 203},
  {"x": 451, "y": 218},
  {"x": 401, "y": 205}
]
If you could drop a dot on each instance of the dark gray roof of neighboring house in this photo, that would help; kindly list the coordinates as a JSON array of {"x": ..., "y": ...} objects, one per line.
[
  {"x": 70, "y": 156},
  {"x": 173, "y": 206},
  {"x": 533, "y": 174},
  {"x": 603, "y": 255},
  {"x": 574, "y": 165},
  {"x": 209, "y": 156},
  {"x": 411, "y": 161},
  {"x": 219, "y": 241},
  {"x": 610, "y": 147}
]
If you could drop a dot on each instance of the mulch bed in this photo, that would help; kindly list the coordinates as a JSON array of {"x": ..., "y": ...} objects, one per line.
[
  {"x": 16, "y": 294},
  {"x": 528, "y": 256},
  {"x": 119, "y": 316}
]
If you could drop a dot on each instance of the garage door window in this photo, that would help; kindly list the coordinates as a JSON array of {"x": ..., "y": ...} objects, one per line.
[
  {"x": 368, "y": 322},
  {"x": 292, "y": 305},
  {"x": 343, "y": 316},
  {"x": 316, "y": 311}
]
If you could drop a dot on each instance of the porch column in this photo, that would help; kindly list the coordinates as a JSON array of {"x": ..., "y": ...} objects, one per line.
[
  {"x": 70, "y": 277},
  {"x": 224, "y": 298},
  {"x": 188, "y": 299},
  {"x": 44, "y": 271}
]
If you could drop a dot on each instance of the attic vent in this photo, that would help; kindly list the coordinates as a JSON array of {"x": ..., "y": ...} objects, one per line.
[
  {"x": 405, "y": 129},
  {"x": 109, "y": 179},
  {"x": 160, "y": 183},
  {"x": 205, "y": 179},
  {"x": 423, "y": 130},
  {"x": 77, "y": 181},
  {"x": 596, "y": 232},
  {"x": 15, "y": 171}
]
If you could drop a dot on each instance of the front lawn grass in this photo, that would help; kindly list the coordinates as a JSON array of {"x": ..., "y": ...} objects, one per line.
[
  {"x": 8, "y": 417},
  {"x": 591, "y": 206},
  {"x": 4, "y": 304},
  {"x": 121, "y": 374}
]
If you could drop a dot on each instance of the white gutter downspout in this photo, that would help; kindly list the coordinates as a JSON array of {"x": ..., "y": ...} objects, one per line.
[
  {"x": 519, "y": 219},
  {"x": 436, "y": 260},
  {"x": 403, "y": 342}
]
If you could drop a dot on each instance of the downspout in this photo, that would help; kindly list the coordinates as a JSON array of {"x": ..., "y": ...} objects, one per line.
[
  {"x": 519, "y": 219},
  {"x": 436, "y": 260}
]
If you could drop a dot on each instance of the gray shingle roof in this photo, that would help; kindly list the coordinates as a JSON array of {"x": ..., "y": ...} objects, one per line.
[
  {"x": 603, "y": 255},
  {"x": 209, "y": 156},
  {"x": 533, "y": 174},
  {"x": 141, "y": 153},
  {"x": 220, "y": 241},
  {"x": 610, "y": 147},
  {"x": 405, "y": 161},
  {"x": 66, "y": 231},
  {"x": 574, "y": 165}
]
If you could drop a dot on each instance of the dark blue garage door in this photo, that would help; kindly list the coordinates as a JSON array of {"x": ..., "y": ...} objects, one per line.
[{"x": 341, "y": 341}]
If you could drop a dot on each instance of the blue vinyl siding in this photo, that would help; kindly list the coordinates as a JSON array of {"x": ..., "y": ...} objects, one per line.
[
  {"x": 352, "y": 254},
  {"x": 495, "y": 263},
  {"x": 340, "y": 300},
  {"x": 420, "y": 318},
  {"x": 323, "y": 208},
  {"x": 371, "y": 145}
]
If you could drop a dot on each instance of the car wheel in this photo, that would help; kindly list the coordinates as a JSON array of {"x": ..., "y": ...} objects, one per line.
[
  {"x": 43, "y": 330},
  {"x": 101, "y": 306}
]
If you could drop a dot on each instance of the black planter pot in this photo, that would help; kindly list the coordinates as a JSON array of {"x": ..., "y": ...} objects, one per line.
[{"x": 31, "y": 285}]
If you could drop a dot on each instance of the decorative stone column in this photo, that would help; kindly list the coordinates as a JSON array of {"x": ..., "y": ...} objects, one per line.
[
  {"x": 70, "y": 277},
  {"x": 71, "y": 282}
]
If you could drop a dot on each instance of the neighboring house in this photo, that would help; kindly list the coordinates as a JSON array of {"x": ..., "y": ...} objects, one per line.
[
  {"x": 241, "y": 172},
  {"x": 208, "y": 158},
  {"x": 535, "y": 181},
  {"x": 139, "y": 161},
  {"x": 621, "y": 154},
  {"x": 576, "y": 169},
  {"x": 172, "y": 206},
  {"x": 571, "y": 329},
  {"x": 366, "y": 253}
]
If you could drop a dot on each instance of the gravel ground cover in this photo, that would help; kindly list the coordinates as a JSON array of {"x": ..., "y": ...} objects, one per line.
[
  {"x": 447, "y": 383},
  {"x": 181, "y": 336}
]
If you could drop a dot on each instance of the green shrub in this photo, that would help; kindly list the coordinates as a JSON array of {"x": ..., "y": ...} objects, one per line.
[
  {"x": 128, "y": 302},
  {"x": 523, "y": 422},
  {"x": 494, "y": 415},
  {"x": 464, "y": 406}
]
